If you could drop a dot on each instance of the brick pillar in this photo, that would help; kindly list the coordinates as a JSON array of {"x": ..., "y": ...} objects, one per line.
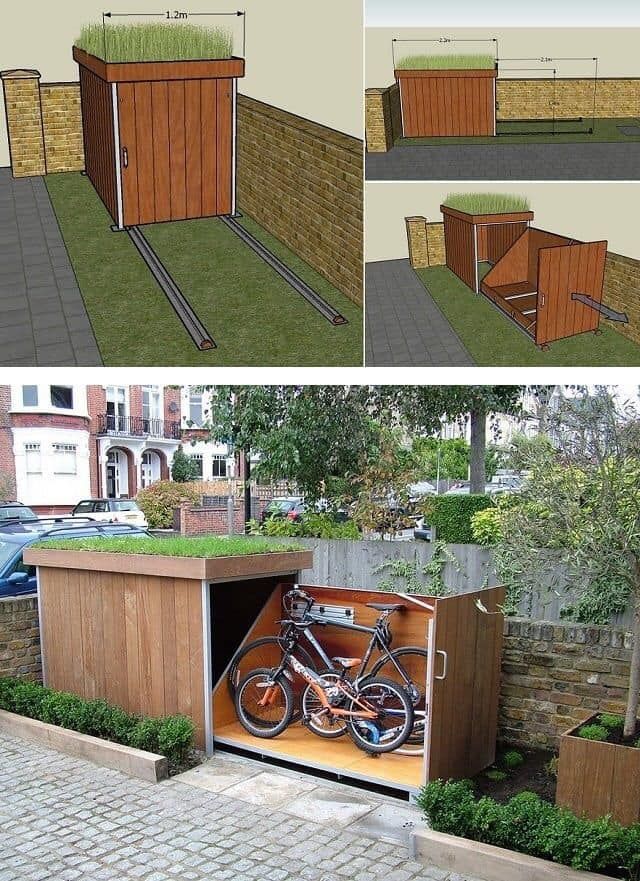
[
  {"x": 378, "y": 125},
  {"x": 24, "y": 122},
  {"x": 417, "y": 238}
]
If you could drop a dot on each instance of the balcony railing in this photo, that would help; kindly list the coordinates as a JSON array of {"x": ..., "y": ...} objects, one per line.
[{"x": 137, "y": 426}]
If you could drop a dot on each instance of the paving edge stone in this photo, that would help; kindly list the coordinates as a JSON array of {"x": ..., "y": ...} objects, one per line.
[
  {"x": 134, "y": 762},
  {"x": 487, "y": 861}
]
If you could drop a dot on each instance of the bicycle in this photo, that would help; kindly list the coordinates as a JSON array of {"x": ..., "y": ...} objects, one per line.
[
  {"x": 376, "y": 712},
  {"x": 406, "y": 665}
]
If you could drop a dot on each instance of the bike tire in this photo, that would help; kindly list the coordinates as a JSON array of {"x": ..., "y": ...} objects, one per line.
[
  {"x": 250, "y": 721},
  {"x": 307, "y": 702},
  {"x": 234, "y": 673},
  {"x": 405, "y": 713},
  {"x": 414, "y": 744}
]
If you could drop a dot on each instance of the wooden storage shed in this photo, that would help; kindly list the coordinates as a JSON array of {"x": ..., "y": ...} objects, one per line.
[
  {"x": 447, "y": 103},
  {"x": 156, "y": 635},
  {"x": 160, "y": 137}
]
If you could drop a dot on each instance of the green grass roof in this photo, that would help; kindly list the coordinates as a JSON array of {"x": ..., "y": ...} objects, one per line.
[
  {"x": 211, "y": 546},
  {"x": 446, "y": 62},
  {"x": 155, "y": 42},
  {"x": 486, "y": 203}
]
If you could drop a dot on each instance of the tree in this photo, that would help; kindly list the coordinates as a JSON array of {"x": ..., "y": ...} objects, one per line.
[
  {"x": 453, "y": 454},
  {"x": 576, "y": 525},
  {"x": 182, "y": 467}
]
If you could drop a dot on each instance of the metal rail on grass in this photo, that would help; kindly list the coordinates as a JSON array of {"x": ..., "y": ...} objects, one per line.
[
  {"x": 311, "y": 296},
  {"x": 192, "y": 324}
]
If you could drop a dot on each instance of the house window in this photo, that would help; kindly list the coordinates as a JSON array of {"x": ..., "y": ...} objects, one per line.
[
  {"x": 116, "y": 408},
  {"x": 219, "y": 464},
  {"x": 197, "y": 466},
  {"x": 62, "y": 397},
  {"x": 33, "y": 460},
  {"x": 29, "y": 395},
  {"x": 64, "y": 459},
  {"x": 151, "y": 409},
  {"x": 196, "y": 409}
]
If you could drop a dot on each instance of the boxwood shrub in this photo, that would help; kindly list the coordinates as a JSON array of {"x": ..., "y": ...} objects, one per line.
[
  {"x": 170, "y": 736},
  {"x": 451, "y": 516},
  {"x": 530, "y": 825}
]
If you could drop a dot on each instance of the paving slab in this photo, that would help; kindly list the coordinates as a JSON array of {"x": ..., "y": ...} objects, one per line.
[
  {"x": 331, "y": 805},
  {"x": 390, "y": 822},
  {"x": 270, "y": 789}
]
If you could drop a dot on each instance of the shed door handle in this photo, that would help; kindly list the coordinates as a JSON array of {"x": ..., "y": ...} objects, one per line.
[
  {"x": 542, "y": 301},
  {"x": 445, "y": 661},
  {"x": 125, "y": 157}
]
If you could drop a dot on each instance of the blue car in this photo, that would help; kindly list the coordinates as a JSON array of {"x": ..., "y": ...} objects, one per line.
[{"x": 16, "y": 577}]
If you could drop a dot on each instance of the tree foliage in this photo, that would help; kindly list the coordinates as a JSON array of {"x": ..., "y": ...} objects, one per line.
[{"x": 182, "y": 467}]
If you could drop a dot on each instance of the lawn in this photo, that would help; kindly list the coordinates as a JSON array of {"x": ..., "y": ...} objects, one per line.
[
  {"x": 254, "y": 316},
  {"x": 539, "y": 133},
  {"x": 493, "y": 340},
  {"x": 211, "y": 546}
]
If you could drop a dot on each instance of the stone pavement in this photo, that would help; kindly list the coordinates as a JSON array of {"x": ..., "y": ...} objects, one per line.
[
  {"x": 404, "y": 325},
  {"x": 43, "y": 320},
  {"x": 63, "y": 819},
  {"x": 507, "y": 162}
]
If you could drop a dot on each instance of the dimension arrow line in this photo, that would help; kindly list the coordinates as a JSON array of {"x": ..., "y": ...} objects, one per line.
[{"x": 547, "y": 59}]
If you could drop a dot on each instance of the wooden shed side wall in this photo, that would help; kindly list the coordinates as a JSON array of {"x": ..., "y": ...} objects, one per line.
[
  {"x": 464, "y": 705},
  {"x": 98, "y": 137},
  {"x": 447, "y": 106},
  {"x": 495, "y": 239},
  {"x": 135, "y": 641},
  {"x": 459, "y": 249}
]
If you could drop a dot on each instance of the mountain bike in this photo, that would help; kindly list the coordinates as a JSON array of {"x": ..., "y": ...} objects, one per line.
[
  {"x": 376, "y": 712},
  {"x": 407, "y": 665}
]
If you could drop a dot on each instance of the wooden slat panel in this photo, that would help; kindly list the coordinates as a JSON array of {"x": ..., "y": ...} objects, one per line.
[
  {"x": 183, "y": 647},
  {"x": 115, "y": 645},
  {"x": 162, "y": 175},
  {"x": 177, "y": 151},
  {"x": 459, "y": 249},
  {"x": 130, "y": 599},
  {"x": 98, "y": 137},
  {"x": 572, "y": 770},
  {"x": 596, "y": 790},
  {"x": 128, "y": 142},
  {"x": 224, "y": 146},
  {"x": 626, "y": 784},
  {"x": 196, "y": 660},
  {"x": 209, "y": 113},
  {"x": 92, "y": 636},
  {"x": 168, "y": 636},
  {"x": 193, "y": 147},
  {"x": 144, "y": 153},
  {"x": 72, "y": 648},
  {"x": 446, "y": 105}
]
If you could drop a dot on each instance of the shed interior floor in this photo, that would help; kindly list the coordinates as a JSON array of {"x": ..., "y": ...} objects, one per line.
[{"x": 339, "y": 756}]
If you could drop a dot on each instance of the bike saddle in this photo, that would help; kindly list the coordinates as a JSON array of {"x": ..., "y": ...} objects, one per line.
[
  {"x": 387, "y": 607},
  {"x": 347, "y": 663}
]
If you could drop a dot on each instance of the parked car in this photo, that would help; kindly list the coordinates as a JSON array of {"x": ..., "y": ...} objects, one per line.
[
  {"x": 15, "y": 511},
  {"x": 422, "y": 530},
  {"x": 18, "y": 579},
  {"x": 111, "y": 511},
  {"x": 489, "y": 488},
  {"x": 289, "y": 507}
]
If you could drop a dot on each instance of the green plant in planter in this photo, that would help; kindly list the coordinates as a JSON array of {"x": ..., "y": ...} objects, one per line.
[
  {"x": 593, "y": 732},
  {"x": 496, "y": 775},
  {"x": 512, "y": 759},
  {"x": 610, "y": 721},
  {"x": 486, "y": 203},
  {"x": 155, "y": 42}
]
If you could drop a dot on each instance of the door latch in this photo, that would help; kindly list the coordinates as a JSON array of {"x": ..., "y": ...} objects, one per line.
[{"x": 125, "y": 157}]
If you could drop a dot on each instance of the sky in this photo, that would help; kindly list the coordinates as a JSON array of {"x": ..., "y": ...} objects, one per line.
[{"x": 502, "y": 13}]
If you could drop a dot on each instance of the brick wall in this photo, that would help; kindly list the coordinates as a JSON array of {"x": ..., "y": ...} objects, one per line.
[
  {"x": 426, "y": 242},
  {"x": 7, "y": 462},
  {"x": 196, "y": 520},
  {"x": 554, "y": 675},
  {"x": 622, "y": 292},
  {"x": 20, "y": 638},
  {"x": 303, "y": 183},
  {"x": 62, "y": 126},
  {"x": 532, "y": 98},
  {"x": 24, "y": 121},
  {"x": 435, "y": 244}
]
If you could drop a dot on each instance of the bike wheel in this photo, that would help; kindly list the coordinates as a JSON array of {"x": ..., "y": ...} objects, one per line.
[
  {"x": 262, "y": 653},
  {"x": 412, "y": 661},
  {"x": 394, "y": 716},
  {"x": 264, "y": 706},
  {"x": 315, "y": 717}
]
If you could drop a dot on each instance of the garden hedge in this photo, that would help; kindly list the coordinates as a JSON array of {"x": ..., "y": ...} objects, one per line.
[
  {"x": 170, "y": 736},
  {"x": 530, "y": 825},
  {"x": 450, "y": 516}
]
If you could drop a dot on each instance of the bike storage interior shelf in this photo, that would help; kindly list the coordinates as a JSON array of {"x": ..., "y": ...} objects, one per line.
[{"x": 156, "y": 635}]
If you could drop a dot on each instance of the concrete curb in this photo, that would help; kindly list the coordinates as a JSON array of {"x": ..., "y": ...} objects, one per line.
[
  {"x": 134, "y": 762},
  {"x": 488, "y": 862}
]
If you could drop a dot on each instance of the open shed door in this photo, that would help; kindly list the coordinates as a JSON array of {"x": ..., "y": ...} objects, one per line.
[
  {"x": 176, "y": 149},
  {"x": 563, "y": 271},
  {"x": 464, "y": 685}
]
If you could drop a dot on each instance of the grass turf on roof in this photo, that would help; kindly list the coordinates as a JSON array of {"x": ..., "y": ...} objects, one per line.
[
  {"x": 446, "y": 62},
  {"x": 155, "y": 42},
  {"x": 486, "y": 203},
  {"x": 218, "y": 546}
]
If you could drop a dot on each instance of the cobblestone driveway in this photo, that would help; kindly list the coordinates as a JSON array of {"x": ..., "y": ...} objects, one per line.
[{"x": 65, "y": 819}]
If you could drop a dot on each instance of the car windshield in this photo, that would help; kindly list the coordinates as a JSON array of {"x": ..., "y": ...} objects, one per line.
[
  {"x": 280, "y": 505},
  {"x": 124, "y": 505},
  {"x": 7, "y": 550},
  {"x": 20, "y": 512}
]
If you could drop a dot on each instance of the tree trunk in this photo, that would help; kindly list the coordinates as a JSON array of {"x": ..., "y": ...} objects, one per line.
[
  {"x": 477, "y": 471},
  {"x": 633, "y": 698},
  {"x": 247, "y": 489}
]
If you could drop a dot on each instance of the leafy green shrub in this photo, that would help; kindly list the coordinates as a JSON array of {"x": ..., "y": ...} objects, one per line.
[
  {"x": 485, "y": 526},
  {"x": 610, "y": 721},
  {"x": 311, "y": 526},
  {"x": 144, "y": 734},
  {"x": 26, "y": 699},
  {"x": 512, "y": 759},
  {"x": 496, "y": 775},
  {"x": 175, "y": 738},
  {"x": 528, "y": 824},
  {"x": 158, "y": 501},
  {"x": 593, "y": 732},
  {"x": 451, "y": 516}
]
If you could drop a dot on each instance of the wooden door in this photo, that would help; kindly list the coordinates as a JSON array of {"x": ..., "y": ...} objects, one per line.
[
  {"x": 175, "y": 149},
  {"x": 563, "y": 271}
]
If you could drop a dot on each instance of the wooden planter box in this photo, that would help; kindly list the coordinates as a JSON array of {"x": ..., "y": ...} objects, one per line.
[
  {"x": 159, "y": 137},
  {"x": 595, "y": 778},
  {"x": 447, "y": 103}
]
